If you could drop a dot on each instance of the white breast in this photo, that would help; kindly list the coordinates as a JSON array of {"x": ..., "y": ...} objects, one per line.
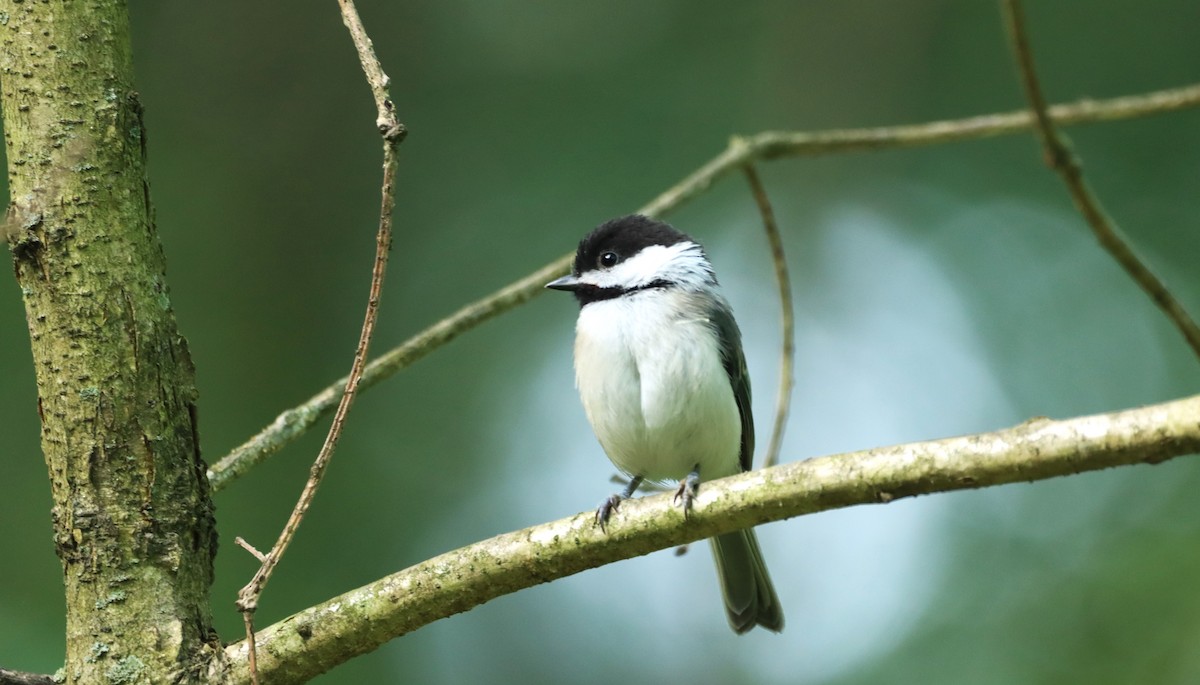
[{"x": 654, "y": 387}]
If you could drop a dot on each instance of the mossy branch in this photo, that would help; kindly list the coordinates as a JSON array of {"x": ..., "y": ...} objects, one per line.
[{"x": 319, "y": 638}]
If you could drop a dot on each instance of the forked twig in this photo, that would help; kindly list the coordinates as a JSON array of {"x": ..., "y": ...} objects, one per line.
[
  {"x": 393, "y": 132},
  {"x": 783, "y": 400},
  {"x": 296, "y": 421},
  {"x": 1060, "y": 158}
]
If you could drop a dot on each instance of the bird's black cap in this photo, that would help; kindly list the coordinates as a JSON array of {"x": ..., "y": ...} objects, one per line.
[{"x": 626, "y": 236}]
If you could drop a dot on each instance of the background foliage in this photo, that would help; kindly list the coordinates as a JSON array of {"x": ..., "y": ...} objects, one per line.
[{"x": 940, "y": 291}]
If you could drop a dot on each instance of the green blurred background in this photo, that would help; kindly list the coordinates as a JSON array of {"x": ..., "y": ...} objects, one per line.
[{"x": 940, "y": 291}]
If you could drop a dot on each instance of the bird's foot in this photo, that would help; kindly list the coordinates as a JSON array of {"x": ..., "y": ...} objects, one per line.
[
  {"x": 688, "y": 487},
  {"x": 608, "y": 506}
]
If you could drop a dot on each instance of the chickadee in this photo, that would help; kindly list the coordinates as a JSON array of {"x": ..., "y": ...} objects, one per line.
[{"x": 660, "y": 370}]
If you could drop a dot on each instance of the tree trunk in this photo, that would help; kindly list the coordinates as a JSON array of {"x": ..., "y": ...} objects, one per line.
[{"x": 133, "y": 522}]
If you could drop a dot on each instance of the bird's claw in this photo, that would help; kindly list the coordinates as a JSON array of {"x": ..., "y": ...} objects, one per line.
[
  {"x": 688, "y": 487},
  {"x": 606, "y": 508}
]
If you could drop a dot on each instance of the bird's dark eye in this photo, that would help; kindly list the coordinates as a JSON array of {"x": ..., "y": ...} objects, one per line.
[{"x": 608, "y": 259}]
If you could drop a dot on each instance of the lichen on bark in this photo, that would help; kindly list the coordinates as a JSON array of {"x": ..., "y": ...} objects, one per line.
[{"x": 133, "y": 521}]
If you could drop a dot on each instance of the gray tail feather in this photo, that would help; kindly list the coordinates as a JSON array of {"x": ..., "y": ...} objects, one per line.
[{"x": 750, "y": 597}]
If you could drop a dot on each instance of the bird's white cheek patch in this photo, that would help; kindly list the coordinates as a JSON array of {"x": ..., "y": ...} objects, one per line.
[{"x": 655, "y": 262}]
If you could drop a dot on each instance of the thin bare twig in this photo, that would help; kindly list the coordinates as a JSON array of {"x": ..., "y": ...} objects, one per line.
[
  {"x": 1060, "y": 158},
  {"x": 241, "y": 542},
  {"x": 393, "y": 132},
  {"x": 385, "y": 119},
  {"x": 770, "y": 145},
  {"x": 783, "y": 399}
]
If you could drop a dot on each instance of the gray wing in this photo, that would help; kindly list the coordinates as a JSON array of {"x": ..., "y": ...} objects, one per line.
[{"x": 730, "y": 339}]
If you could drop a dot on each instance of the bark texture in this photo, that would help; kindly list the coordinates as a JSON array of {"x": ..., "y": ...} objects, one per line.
[{"x": 133, "y": 522}]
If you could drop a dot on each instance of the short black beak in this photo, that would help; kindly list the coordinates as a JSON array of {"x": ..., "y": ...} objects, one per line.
[{"x": 569, "y": 283}]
